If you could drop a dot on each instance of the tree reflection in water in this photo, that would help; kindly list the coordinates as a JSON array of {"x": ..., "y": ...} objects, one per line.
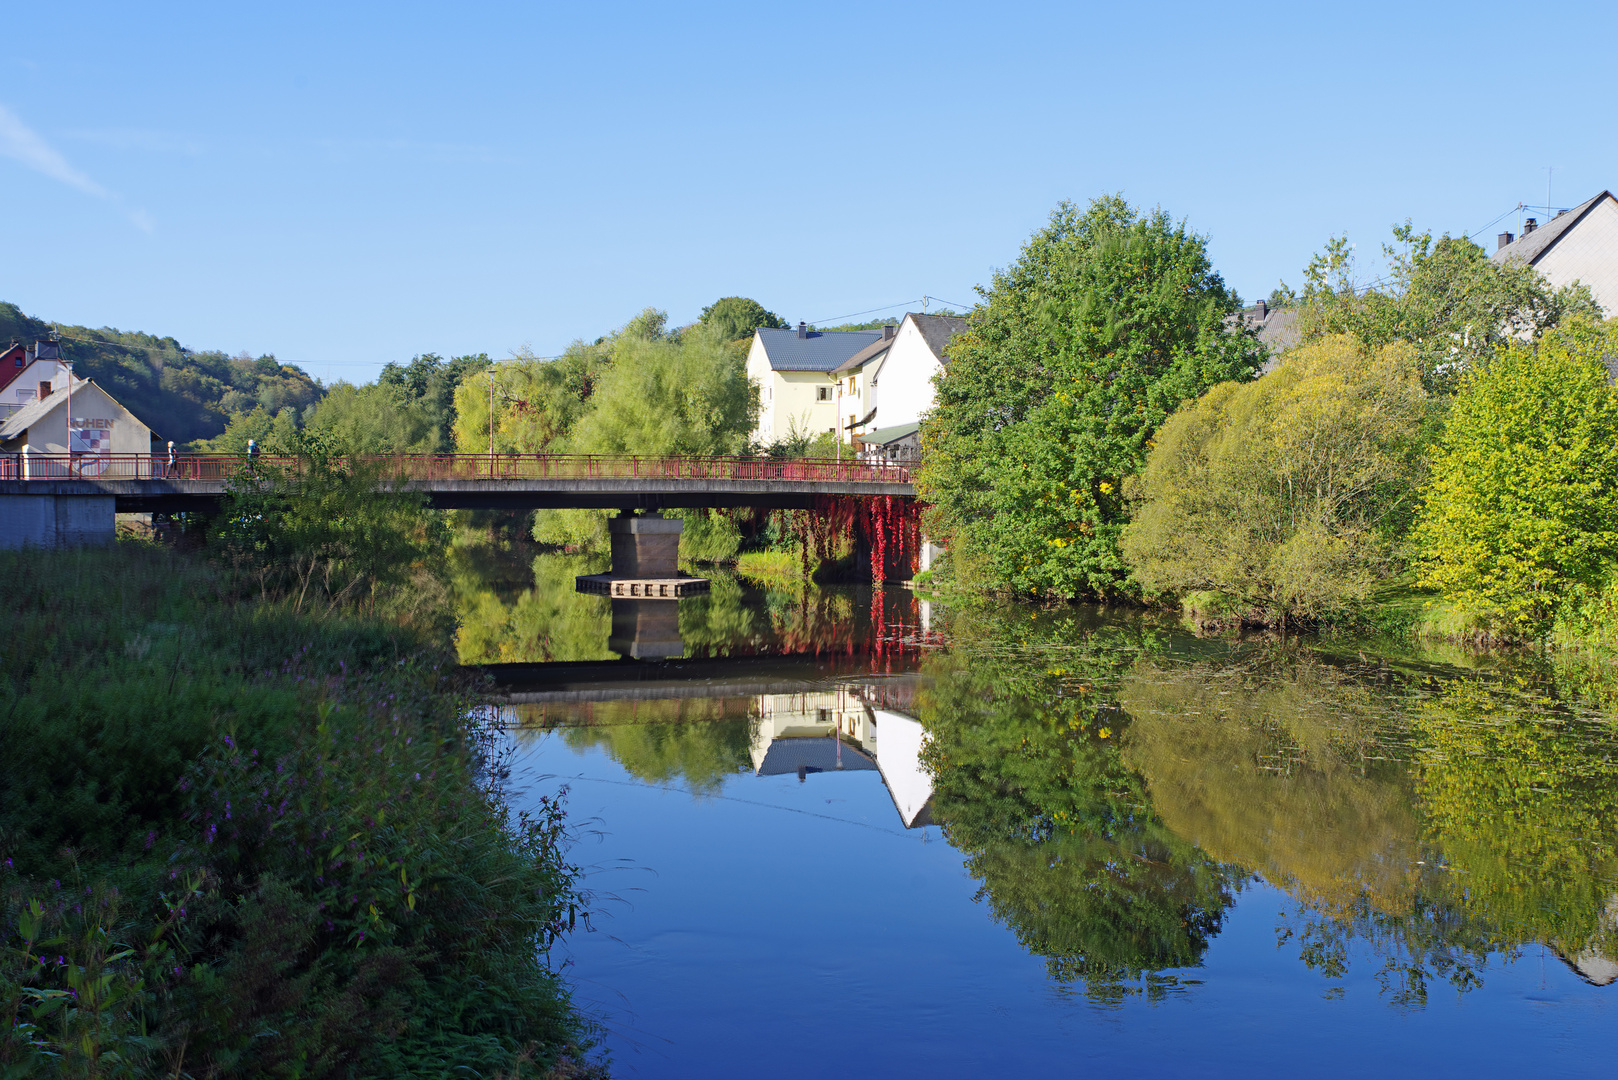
[
  {"x": 1031, "y": 786},
  {"x": 1112, "y": 786}
]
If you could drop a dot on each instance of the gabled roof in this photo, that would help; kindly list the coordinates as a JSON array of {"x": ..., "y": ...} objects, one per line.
[
  {"x": 875, "y": 350},
  {"x": 936, "y": 330},
  {"x": 1530, "y": 247},
  {"x": 819, "y": 350}
]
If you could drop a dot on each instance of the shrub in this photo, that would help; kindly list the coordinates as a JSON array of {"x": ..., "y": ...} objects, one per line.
[{"x": 1519, "y": 516}]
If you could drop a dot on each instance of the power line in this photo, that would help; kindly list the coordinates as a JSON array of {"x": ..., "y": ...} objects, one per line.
[
  {"x": 923, "y": 300},
  {"x": 853, "y": 314}
]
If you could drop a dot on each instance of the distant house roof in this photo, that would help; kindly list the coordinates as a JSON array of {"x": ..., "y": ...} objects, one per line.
[
  {"x": 818, "y": 350},
  {"x": 1276, "y": 327},
  {"x": 1532, "y": 246}
]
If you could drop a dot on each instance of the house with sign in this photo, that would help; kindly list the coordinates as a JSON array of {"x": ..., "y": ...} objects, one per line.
[{"x": 44, "y": 439}]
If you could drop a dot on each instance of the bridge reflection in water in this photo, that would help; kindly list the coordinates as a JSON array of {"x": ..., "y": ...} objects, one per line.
[{"x": 783, "y": 716}]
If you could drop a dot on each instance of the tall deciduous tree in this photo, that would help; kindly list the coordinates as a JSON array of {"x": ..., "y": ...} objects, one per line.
[
  {"x": 1446, "y": 297},
  {"x": 1522, "y": 510},
  {"x": 1105, "y": 324}
]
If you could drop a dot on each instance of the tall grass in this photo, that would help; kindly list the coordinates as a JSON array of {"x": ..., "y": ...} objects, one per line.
[{"x": 237, "y": 841}]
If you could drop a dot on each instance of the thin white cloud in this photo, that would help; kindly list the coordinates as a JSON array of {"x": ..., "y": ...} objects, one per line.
[{"x": 19, "y": 142}]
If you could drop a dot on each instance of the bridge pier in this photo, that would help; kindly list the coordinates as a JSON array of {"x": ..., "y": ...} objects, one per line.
[
  {"x": 645, "y": 585},
  {"x": 57, "y": 521}
]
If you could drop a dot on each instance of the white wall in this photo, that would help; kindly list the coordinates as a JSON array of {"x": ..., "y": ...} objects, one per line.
[
  {"x": 905, "y": 381},
  {"x": 25, "y": 387},
  {"x": 1588, "y": 252}
]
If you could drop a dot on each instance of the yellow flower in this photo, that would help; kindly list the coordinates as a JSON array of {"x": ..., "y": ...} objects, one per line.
[
  {"x": 1106, "y": 732},
  {"x": 1105, "y": 487}
]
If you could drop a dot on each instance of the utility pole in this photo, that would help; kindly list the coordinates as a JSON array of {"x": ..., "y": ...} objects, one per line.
[{"x": 491, "y": 423}]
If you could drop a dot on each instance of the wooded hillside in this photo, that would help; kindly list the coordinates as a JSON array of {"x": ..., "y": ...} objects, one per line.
[{"x": 184, "y": 395}]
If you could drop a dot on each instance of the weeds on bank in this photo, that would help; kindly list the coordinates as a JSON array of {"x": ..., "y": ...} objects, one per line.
[{"x": 237, "y": 840}]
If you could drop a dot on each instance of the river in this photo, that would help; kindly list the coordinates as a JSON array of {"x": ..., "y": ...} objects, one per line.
[{"x": 850, "y": 835}]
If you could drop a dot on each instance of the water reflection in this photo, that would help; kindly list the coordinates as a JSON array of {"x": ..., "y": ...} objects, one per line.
[
  {"x": 1114, "y": 785},
  {"x": 518, "y": 607},
  {"x": 1424, "y": 818}
]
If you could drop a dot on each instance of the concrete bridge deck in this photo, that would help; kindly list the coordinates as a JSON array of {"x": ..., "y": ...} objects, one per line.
[{"x": 196, "y": 482}]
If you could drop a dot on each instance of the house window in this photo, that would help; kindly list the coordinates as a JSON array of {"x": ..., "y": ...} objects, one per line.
[{"x": 822, "y": 393}]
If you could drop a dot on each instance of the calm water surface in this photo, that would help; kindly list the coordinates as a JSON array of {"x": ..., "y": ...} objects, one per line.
[{"x": 1046, "y": 844}]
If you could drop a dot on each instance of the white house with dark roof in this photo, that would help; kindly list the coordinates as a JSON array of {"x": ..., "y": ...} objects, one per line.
[
  {"x": 1577, "y": 245},
  {"x": 887, "y": 387},
  {"x": 793, "y": 372}
]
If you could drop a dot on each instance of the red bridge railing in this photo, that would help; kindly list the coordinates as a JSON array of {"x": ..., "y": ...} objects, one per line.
[{"x": 447, "y": 467}]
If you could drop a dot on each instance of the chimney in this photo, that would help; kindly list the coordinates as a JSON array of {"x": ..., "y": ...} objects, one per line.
[
  {"x": 1503, "y": 239},
  {"x": 887, "y": 331},
  {"x": 44, "y": 389},
  {"x": 1262, "y": 309},
  {"x": 803, "y": 329},
  {"x": 1529, "y": 226}
]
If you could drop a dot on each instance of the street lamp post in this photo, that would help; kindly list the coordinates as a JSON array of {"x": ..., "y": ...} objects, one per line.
[{"x": 491, "y": 423}]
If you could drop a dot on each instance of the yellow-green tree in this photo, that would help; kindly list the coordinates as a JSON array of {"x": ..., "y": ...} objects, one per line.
[
  {"x": 1519, "y": 515},
  {"x": 1285, "y": 494}
]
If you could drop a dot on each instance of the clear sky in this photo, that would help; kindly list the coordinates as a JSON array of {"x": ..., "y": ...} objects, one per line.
[{"x": 348, "y": 184}]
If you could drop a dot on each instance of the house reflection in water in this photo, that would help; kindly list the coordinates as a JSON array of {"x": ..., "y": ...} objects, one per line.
[{"x": 844, "y": 730}]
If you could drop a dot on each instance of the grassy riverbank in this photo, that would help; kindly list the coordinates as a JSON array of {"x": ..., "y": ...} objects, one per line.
[{"x": 239, "y": 841}]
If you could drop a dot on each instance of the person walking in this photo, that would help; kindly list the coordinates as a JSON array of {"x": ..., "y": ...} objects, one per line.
[{"x": 171, "y": 469}]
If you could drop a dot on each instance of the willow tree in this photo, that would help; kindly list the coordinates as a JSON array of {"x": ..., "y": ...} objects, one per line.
[
  {"x": 1285, "y": 496},
  {"x": 1107, "y": 321}
]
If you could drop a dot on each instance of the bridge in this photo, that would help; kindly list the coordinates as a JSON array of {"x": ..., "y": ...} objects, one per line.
[{"x": 58, "y": 499}]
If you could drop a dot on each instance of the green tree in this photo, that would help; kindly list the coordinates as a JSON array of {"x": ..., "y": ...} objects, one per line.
[
  {"x": 1521, "y": 514},
  {"x": 272, "y": 433},
  {"x": 736, "y": 317},
  {"x": 1108, "y": 320},
  {"x": 1446, "y": 297},
  {"x": 1285, "y": 495},
  {"x": 660, "y": 397},
  {"x": 377, "y": 418},
  {"x": 431, "y": 380}
]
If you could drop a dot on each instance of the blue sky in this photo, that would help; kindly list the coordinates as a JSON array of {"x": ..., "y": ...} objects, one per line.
[{"x": 348, "y": 184}]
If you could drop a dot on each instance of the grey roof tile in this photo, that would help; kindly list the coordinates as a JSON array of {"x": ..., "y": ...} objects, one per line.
[
  {"x": 936, "y": 330},
  {"x": 821, "y": 350}
]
